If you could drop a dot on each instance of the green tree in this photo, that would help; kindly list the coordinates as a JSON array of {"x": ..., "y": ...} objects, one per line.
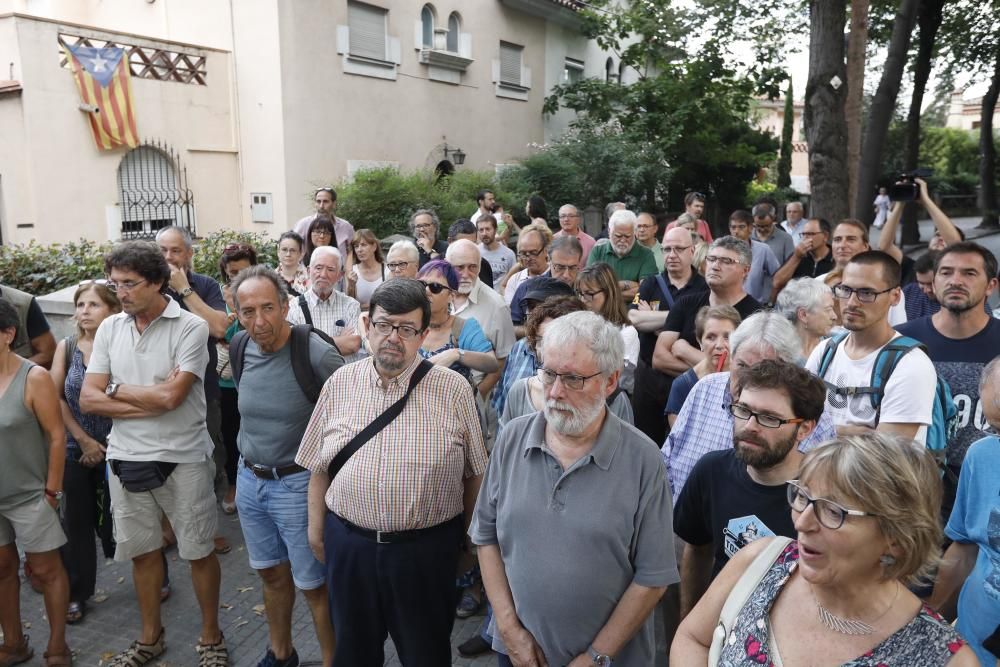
[{"x": 785, "y": 156}]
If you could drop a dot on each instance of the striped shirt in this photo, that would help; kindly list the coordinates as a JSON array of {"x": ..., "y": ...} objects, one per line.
[{"x": 410, "y": 475}]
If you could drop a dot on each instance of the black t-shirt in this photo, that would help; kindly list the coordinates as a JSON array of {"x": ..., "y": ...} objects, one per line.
[
  {"x": 209, "y": 292},
  {"x": 721, "y": 505},
  {"x": 650, "y": 292},
  {"x": 440, "y": 247},
  {"x": 810, "y": 268},
  {"x": 685, "y": 310}
]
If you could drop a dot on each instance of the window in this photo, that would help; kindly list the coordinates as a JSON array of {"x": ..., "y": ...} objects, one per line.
[
  {"x": 621, "y": 72},
  {"x": 510, "y": 63},
  {"x": 573, "y": 71},
  {"x": 453, "y": 29},
  {"x": 367, "y": 30},
  {"x": 610, "y": 74},
  {"x": 427, "y": 26}
]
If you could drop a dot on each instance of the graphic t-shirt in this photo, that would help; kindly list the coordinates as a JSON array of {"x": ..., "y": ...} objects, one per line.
[
  {"x": 908, "y": 396},
  {"x": 721, "y": 505},
  {"x": 959, "y": 362},
  {"x": 976, "y": 519}
]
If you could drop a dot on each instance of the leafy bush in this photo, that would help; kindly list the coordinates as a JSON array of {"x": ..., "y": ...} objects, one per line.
[{"x": 208, "y": 250}]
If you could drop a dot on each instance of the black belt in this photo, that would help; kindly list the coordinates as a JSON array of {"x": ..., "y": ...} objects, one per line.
[
  {"x": 267, "y": 472},
  {"x": 383, "y": 537}
]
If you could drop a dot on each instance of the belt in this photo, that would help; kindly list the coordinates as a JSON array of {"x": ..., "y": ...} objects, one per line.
[
  {"x": 268, "y": 472},
  {"x": 394, "y": 537}
]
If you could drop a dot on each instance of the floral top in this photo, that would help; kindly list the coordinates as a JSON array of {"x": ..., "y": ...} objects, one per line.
[
  {"x": 926, "y": 641},
  {"x": 95, "y": 426},
  {"x": 300, "y": 283}
]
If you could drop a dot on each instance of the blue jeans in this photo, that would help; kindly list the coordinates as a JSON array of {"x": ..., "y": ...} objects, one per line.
[{"x": 275, "y": 520}]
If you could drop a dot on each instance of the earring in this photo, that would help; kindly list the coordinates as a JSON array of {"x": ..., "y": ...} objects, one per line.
[{"x": 887, "y": 560}]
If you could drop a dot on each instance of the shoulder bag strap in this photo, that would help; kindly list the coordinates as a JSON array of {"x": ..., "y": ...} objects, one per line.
[
  {"x": 665, "y": 288},
  {"x": 237, "y": 347},
  {"x": 304, "y": 306},
  {"x": 379, "y": 423}
]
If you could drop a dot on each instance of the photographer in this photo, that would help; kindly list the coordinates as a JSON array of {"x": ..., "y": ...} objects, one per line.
[{"x": 946, "y": 232}]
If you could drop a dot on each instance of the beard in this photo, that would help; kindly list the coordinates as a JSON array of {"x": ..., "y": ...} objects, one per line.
[
  {"x": 959, "y": 307},
  {"x": 771, "y": 454},
  {"x": 390, "y": 362},
  {"x": 566, "y": 419}
]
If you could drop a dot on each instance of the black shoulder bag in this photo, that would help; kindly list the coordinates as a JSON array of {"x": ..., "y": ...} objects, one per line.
[{"x": 379, "y": 423}]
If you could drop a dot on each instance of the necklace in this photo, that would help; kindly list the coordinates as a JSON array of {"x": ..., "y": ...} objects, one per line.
[{"x": 849, "y": 626}]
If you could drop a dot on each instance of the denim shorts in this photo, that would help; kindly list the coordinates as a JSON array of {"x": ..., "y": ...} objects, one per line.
[{"x": 275, "y": 519}]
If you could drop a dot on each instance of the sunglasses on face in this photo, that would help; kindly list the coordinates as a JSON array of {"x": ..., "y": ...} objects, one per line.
[{"x": 435, "y": 288}]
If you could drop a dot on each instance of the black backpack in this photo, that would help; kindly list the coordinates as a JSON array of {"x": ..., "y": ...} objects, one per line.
[{"x": 301, "y": 362}]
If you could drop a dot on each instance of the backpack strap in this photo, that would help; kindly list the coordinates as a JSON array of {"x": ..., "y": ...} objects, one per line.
[
  {"x": 304, "y": 306},
  {"x": 829, "y": 352},
  {"x": 885, "y": 363},
  {"x": 665, "y": 288},
  {"x": 302, "y": 362},
  {"x": 237, "y": 348}
]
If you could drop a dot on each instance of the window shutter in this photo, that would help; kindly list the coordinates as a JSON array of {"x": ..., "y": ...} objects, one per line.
[
  {"x": 367, "y": 25},
  {"x": 510, "y": 63}
]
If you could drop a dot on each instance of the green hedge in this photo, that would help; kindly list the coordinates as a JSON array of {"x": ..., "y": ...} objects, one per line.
[{"x": 42, "y": 269}]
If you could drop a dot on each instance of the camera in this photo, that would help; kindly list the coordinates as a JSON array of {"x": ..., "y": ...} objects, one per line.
[{"x": 905, "y": 188}]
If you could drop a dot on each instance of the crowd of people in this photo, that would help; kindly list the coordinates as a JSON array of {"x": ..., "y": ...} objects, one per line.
[{"x": 775, "y": 446}]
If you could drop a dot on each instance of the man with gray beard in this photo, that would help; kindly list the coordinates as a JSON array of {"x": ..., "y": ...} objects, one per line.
[{"x": 574, "y": 494}]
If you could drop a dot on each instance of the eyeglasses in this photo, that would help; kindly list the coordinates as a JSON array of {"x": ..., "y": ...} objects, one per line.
[
  {"x": 398, "y": 266},
  {"x": 529, "y": 254},
  {"x": 327, "y": 189},
  {"x": 321, "y": 232},
  {"x": 569, "y": 380},
  {"x": 124, "y": 287},
  {"x": 675, "y": 249},
  {"x": 744, "y": 413},
  {"x": 435, "y": 288},
  {"x": 423, "y": 225},
  {"x": 405, "y": 331},
  {"x": 237, "y": 247},
  {"x": 810, "y": 233},
  {"x": 865, "y": 295},
  {"x": 95, "y": 281},
  {"x": 725, "y": 261},
  {"x": 828, "y": 513},
  {"x": 587, "y": 296},
  {"x": 563, "y": 268}
]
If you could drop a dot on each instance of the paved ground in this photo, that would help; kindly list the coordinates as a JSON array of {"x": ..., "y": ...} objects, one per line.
[{"x": 112, "y": 621}]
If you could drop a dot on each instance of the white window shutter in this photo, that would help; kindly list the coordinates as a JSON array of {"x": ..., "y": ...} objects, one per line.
[
  {"x": 526, "y": 77},
  {"x": 496, "y": 71},
  {"x": 395, "y": 52},
  {"x": 465, "y": 45},
  {"x": 418, "y": 35},
  {"x": 343, "y": 39},
  {"x": 367, "y": 35},
  {"x": 510, "y": 64}
]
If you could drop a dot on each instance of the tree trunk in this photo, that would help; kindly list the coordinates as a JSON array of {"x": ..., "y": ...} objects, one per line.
[
  {"x": 787, "y": 130},
  {"x": 988, "y": 153},
  {"x": 857, "y": 42},
  {"x": 826, "y": 127},
  {"x": 883, "y": 105},
  {"x": 928, "y": 21}
]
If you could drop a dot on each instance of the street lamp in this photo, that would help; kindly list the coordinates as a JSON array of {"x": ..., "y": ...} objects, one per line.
[{"x": 457, "y": 155}]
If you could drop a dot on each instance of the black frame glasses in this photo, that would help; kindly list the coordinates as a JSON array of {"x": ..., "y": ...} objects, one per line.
[
  {"x": 829, "y": 514},
  {"x": 743, "y": 413},
  {"x": 865, "y": 295},
  {"x": 530, "y": 253},
  {"x": 123, "y": 287},
  {"x": 570, "y": 380},
  {"x": 404, "y": 331},
  {"x": 397, "y": 266},
  {"x": 435, "y": 288}
]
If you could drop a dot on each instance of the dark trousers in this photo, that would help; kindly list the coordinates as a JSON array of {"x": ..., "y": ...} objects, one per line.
[
  {"x": 406, "y": 590},
  {"x": 649, "y": 399},
  {"x": 230, "y": 428},
  {"x": 82, "y": 504}
]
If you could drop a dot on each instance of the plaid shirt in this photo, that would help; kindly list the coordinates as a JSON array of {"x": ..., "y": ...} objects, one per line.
[
  {"x": 410, "y": 475},
  {"x": 705, "y": 425},
  {"x": 333, "y": 316},
  {"x": 520, "y": 364}
]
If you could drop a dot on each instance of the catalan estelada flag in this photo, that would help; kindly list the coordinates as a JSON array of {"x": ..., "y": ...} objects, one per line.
[{"x": 102, "y": 77}]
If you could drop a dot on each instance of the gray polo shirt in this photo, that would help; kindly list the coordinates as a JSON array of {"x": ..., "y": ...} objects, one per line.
[
  {"x": 573, "y": 541},
  {"x": 175, "y": 339}
]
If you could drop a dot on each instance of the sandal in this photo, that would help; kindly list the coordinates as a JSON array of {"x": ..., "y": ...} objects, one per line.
[
  {"x": 222, "y": 545},
  {"x": 213, "y": 655},
  {"x": 75, "y": 612},
  {"x": 59, "y": 659},
  {"x": 139, "y": 654},
  {"x": 15, "y": 655}
]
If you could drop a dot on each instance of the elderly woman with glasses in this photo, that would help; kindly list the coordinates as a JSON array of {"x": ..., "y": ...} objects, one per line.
[
  {"x": 866, "y": 509},
  {"x": 452, "y": 341}
]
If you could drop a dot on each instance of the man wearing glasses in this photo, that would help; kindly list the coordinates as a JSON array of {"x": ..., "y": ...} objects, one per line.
[
  {"x": 736, "y": 495},
  {"x": 569, "y": 223},
  {"x": 424, "y": 225},
  {"x": 645, "y": 235},
  {"x": 648, "y": 313},
  {"x": 565, "y": 255},
  {"x": 630, "y": 261},
  {"x": 389, "y": 527},
  {"x": 532, "y": 243},
  {"x": 569, "y": 492},
  {"x": 766, "y": 231},
  {"x": 869, "y": 287},
  {"x": 325, "y": 200},
  {"x": 813, "y": 255}
]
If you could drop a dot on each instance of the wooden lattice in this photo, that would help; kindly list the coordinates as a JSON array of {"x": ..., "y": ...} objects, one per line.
[{"x": 147, "y": 62}]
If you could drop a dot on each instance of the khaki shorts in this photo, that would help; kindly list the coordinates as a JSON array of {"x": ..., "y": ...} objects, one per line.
[
  {"x": 188, "y": 501},
  {"x": 34, "y": 525}
]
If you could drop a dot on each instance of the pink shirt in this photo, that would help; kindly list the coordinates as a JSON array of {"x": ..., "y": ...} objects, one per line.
[
  {"x": 703, "y": 231},
  {"x": 586, "y": 242}
]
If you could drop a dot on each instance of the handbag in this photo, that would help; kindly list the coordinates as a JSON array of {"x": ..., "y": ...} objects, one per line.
[
  {"x": 138, "y": 476},
  {"x": 741, "y": 592},
  {"x": 379, "y": 423}
]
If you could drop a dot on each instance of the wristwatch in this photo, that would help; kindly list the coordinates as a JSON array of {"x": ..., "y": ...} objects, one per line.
[
  {"x": 112, "y": 388},
  {"x": 186, "y": 292},
  {"x": 600, "y": 659},
  {"x": 461, "y": 356}
]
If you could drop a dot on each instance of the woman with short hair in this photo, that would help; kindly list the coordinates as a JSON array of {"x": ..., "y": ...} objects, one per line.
[
  {"x": 291, "y": 249},
  {"x": 597, "y": 287}
]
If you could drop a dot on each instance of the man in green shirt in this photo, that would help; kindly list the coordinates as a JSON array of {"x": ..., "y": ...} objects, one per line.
[{"x": 630, "y": 261}]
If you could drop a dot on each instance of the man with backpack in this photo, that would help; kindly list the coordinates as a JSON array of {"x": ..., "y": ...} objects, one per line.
[
  {"x": 271, "y": 489},
  {"x": 874, "y": 381},
  {"x": 961, "y": 338},
  {"x": 324, "y": 308}
]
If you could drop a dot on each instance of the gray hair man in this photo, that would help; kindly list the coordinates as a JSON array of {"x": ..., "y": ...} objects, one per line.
[
  {"x": 272, "y": 490},
  {"x": 425, "y": 227},
  {"x": 608, "y": 492},
  {"x": 403, "y": 259},
  {"x": 631, "y": 261},
  {"x": 702, "y": 427},
  {"x": 794, "y": 220},
  {"x": 326, "y": 309}
]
